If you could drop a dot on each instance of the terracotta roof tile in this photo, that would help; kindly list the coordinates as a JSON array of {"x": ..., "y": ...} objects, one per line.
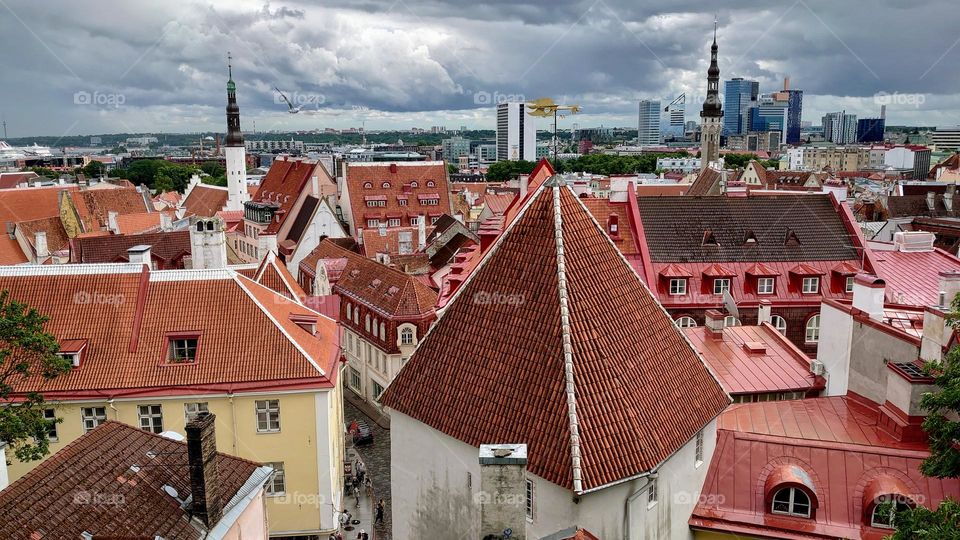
[
  {"x": 630, "y": 365},
  {"x": 394, "y": 181},
  {"x": 389, "y": 242},
  {"x": 140, "y": 222},
  {"x": 94, "y": 205},
  {"x": 113, "y": 248},
  {"x": 133, "y": 505},
  {"x": 57, "y": 238},
  {"x": 205, "y": 200},
  {"x": 283, "y": 184}
]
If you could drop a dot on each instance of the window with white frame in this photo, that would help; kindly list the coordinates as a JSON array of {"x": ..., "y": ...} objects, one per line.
[
  {"x": 791, "y": 501},
  {"x": 730, "y": 320},
  {"x": 886, "y": 508},
  {"x": 415, "y": 220},
  {"x": 268, "y": 415},
  {"x": 531, "y": 495},
  {"x": 393, "y": 222},
  {"x": 50, "y": 416},
  {"x": 678, "y": 286},
  {"x": 652, "y": 492},
  {"x": 721, "y": 285},
  {"x": 686, "y": 322},
  {"x": 765, "y": 285},
  {"x": 373, "y": 223},
  {"x": 182, "y": 350},
  {"x": 383, "y": 331},
  {"x": 355, "y": 380},
  {"x": 779, "y": 323},
  {"x": 434, "y": 219},
  {"x": 406, "y": 336},
  {"x": 192, "y": 410},
  {"x": 277, "y": 485},
  {"x": 811, "y": 285},
  {"x": 151, "y": 418},
  {"x": 848, "y": 286},
  {"x": 698, "y": 449},
  {"x": 349, "y": 311},
  {"x": 376, "y": 391},
  {"x": 366, "y": 322},
  {"x": 92, "y": 417},
  {"x": 812, "y": 334}
]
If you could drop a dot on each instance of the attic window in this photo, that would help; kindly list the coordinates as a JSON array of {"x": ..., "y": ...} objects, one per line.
[
  {"x": 749, "y": 238},
  {"x": 182, "y": 349},
  {"x": 305, "y": 322},
  {"x": 414, "y": 184},
  {"x": 392, "y": 291},
  {"x": 791, "y": 239},
  {"x": 72, "y": 350},
  {"x": 430, "y": 183},
  {"x": 73, "y": 357},
  {"x": 385, "y": 185},
  {"x": 368, "y": 185},
  {"x": 375, "y": 283},
  {"x": 709, "y": 239}
]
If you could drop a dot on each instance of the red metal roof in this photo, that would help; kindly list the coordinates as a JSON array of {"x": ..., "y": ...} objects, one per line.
[
  {"x": 781, "y": 367},
  {"x": 913, "y": 278},
  {"x": 838, "y": 445},
  {"x": 616, "y": 350}
]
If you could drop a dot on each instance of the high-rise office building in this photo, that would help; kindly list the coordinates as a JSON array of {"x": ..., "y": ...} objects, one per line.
[
  {"x": 455, "y": 147},
  {"x": 840, "y": 127},
  {"x": 516, "y": 133},
  {"x": 871, "y": 130},
  {"x": 648, "y": 127},
  {"x": 794, "y": 114},
  {"x": 738, "y": 96},
  {"x": 770, "y": 114}
]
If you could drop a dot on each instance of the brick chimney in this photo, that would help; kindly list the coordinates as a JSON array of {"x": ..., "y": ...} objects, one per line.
[
  {"x": 204, "y": 479},
  {"x": 714, "y": 320},
  {"x": 503, "y": 490}
]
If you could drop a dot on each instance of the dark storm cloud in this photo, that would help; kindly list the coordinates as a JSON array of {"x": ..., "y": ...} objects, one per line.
[{"x": 399, "y": 61}]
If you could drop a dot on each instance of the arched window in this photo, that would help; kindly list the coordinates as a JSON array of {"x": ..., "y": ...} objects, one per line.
[
  {"x": 685, "y": 322},
  {"x": 791, "y": 501},
  {"x": 414, "y": 184},
  {"x": 356, "y": 316},
  {"x": 779, "y": 323},
  {"x": 349, "y": 311},
  {"x": 385, "y": 185},
  {"x": 730, "y": 320},
  {"x": 430, "y": 183},
  {"x": 812, "y": 334},
  {"x": 210, "y": 225},
  {"x": 406, "y": 336},
  {"x": 383, "y": 331},
  {"x": 199, "y": 226},
  {"x": 368, "y": 185},
  {"x": 886, "y": 507},
  {"x": 366, "y": 322}
]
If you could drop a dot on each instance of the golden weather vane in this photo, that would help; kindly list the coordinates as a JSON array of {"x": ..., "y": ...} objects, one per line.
[{"x": 546, "y": 107}]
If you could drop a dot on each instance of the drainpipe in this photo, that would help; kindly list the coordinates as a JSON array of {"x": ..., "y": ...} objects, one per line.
[
  {"x": 233, "y": 422},
  {"x": 116, "y": 413},
  {"x": 633, "y": 496}
]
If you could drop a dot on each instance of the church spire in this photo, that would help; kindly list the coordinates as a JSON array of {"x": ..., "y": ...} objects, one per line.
[
  {"x": 234, "y": 135},
  {"x": 711, "y": 106}
]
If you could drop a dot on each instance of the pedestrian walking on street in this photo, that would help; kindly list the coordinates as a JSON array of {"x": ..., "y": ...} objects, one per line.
[
  {"x": 356, "y": 493},
  {"x": 369, "y": 487},
  {"x": 380, "y": 507}
]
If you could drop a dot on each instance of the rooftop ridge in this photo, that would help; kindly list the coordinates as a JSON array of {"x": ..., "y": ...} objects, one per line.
[
  {"x": 397, "y": 163},
  {"x": 70, "y": 269},
  {"x": 192, "y": 275},
  {"x": 565, "y": 336}
]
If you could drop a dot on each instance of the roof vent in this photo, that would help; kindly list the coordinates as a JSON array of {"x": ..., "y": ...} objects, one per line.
[
  {"x": 749, "y": 237},
  {"x": 754, "y": 347},
  {"x": 355, "y": 272},
  {"x": 375, "y": 283},
  {"x": 393, "y": 168},
  {"x": 791, "y": 239}
]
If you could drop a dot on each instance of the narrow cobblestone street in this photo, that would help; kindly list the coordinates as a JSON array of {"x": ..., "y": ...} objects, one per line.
[{"x": 376, "y": 456}]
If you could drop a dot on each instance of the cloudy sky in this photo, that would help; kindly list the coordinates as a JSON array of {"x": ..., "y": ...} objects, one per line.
[{"x": 74, "y": 67}]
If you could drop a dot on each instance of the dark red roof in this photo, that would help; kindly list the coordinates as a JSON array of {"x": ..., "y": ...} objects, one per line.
[
  {"x": 94, "y": 205},
  {"x": 110, "y": 483},
  {"x": 282, "y": 186},
  {"x": 9, "y": 180},
  {"x": 168, "y": 246},
  {"x": 205, "y": 200},
  {"x": 392, "y": 182},
  {"x": 838, "y": 449},
  {"x": 626, "y": 364}
]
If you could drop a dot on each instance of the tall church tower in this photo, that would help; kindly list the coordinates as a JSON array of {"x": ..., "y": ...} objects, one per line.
[
  {"x": 235, "y": 152},
  {"x": 711, "y": 117}
]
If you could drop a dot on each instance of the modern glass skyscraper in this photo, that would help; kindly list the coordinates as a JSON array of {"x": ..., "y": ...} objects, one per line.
[
  {"x": 794, "y": 115},
  {"x": 738, "y": 96},
  {"x": 648, "y": 126}
]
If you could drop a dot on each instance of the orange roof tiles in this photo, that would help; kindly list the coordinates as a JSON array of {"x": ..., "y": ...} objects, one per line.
[
  {"x": 393, "y": 182},
  {"x": 205, "y": 200},
  {"x": 374, "y": 243},
  {"x": 94, "y": 205},
  {"x": 27, "y": 204},
  {"x": 140, "y": 222},
  {"x": 627, "y": 365},
  {"x": 255, "y": 346},
  {"x": 282, "y": 186},
  {"x": 168, "y": 246},
  {"x": 90, "y": 487},
  {"x": 601, "y": 210},
  {"x": 274, "y": 275},
  {"x": 57, "y": 238}
]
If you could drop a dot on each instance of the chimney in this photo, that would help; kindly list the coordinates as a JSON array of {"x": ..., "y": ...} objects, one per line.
[
  {"x": 315, "y": 185},
  {"x": 948, "y": 197},
  {"x": 112, "y": 222},
  {"x": 868, "y": 291},
  {"x": 503, "y": 490},
  {"x": 763, "y": 312},
  {"x": 204, "y": 479},
  {"x": 524, "y": 185},
  {"x": 936, "y": 327},
  {"x": 166, "y": 222},
  {"x": 359, "y": 237},
  {"x": 139, "y": 254},
  {"x": 40, "y": 244},
  {"x": 422, "y": 232},
  {"x": 714, "y": 323},
  {"x": 931, "y": 200}
]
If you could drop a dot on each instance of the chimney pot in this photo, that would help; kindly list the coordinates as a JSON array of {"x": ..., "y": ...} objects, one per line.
[
  {"x": 714, "y": 320},
  {"x": 868, "y": 295},
  {"x": 763, "y": 313},
  {"x": 204, "y": 476}
]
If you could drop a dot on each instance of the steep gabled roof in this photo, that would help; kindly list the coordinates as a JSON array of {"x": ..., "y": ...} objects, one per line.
[
  {"x": 113, "y": 248},
  {"x": 127, "y": 468},
  {"x": 282, "y": 186},
  {"x": 94, "y": 205},
  {"x": 555, "y": 342},
  {"x": 274, "y": 275},
  {"x": 205, "y": 200}
]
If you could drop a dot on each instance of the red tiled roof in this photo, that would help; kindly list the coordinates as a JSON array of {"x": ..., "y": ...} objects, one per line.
[
  {"x": 601, "y": 210},
  {"x": 274, "y": 275},
  {"x": 627, "y": 365},
  {"x": 662, "y": 190},
  {"x": 367, "y": 281},
  {"x": 49, "y": 501},
  {"x": 389, "y": 242},
  {"x": 282, "y": 186},
  {"x": 760, "y": 269},
  {"x": 113, "y": 248},
  {"x": 780, "y": 367},
  {"x": 9, "y": 180},
  {"x": 205, "y": 200},
  {"x": 138, "y": 223},
  {"x": 398, "y": 179},
  {"x": 498, "y": 204},
  {"x": 57, "y": 238},
  {"x": 26, "y": 204},
  {"x": 839, "y": 446},
  {"x": 913, "y": 278},
  {"x": 231, "y": 314},
  {"x": 93, "y": 205}
]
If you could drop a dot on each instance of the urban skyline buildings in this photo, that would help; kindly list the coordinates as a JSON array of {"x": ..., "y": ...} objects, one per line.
[
  {"x": 739, "y": 95},
  {"x": 516, "y": 132},
  {"x": 648, "y": 126}
]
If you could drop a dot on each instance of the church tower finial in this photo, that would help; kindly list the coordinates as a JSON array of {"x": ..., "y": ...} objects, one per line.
[
  {"x": 712, "y": 113},
  {"x": 230, "y": 64},
  {"x": 235, "y": 152}
]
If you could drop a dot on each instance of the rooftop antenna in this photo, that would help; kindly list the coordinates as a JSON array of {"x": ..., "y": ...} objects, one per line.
[{"x": 714, "y": 28}]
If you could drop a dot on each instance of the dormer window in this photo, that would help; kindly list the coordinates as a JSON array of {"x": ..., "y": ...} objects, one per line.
[
  {"x": 749, "y": 238},
  {"x": 848, "y": 285},
  {"x": 721, "y": 285},
  {"x": 306, "y": 323},
  {"x": 678, "y": 286},
  {"x": 73, "y": 358},
  {"x": 791, "y": 239},
  {"x": 385, "y": 185},
  {"x": 765, "y": 285},
  {"x": 368, "y": 185},
  {"x": 811, "y": 285},
  {"x": 182, "y": 349},
  {"x": 72, "y": 350},
  {"x": 406, "y": 336},
  {"x": 791, "y": 501},
  {"x": 414, "y": 184},
  {"x": 430, "y": 183},
  {"x": 886, "y": 508},
  {"x": 709, "y": 239}
]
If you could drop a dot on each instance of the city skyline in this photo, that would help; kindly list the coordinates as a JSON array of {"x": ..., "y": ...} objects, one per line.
[{"x": 160, "y": 68}]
